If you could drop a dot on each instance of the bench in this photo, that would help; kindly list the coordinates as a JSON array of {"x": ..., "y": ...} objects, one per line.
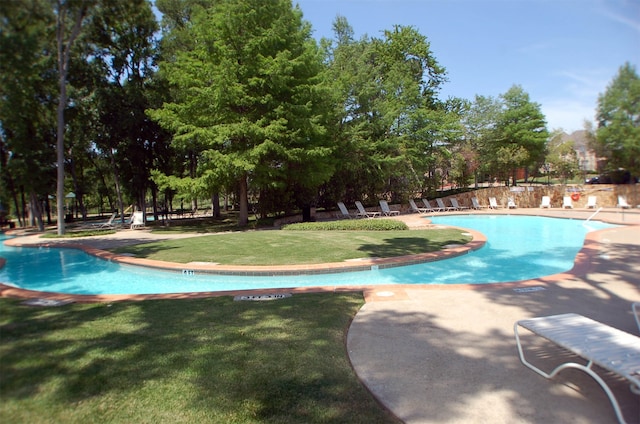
[{"x": 611, "y": 349}]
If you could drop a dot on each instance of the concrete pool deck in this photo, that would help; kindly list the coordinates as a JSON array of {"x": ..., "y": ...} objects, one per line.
[{"x": 446, "y": 354}]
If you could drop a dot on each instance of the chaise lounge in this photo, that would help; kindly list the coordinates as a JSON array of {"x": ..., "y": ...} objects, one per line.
[{"x": 598, "y": 344}]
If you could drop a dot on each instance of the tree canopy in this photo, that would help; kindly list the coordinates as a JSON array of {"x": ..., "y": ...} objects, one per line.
[
  {"x": 618, "y": 118},
  {"x": 248, "y": 99},
  {"x": 237, "y": 98}
]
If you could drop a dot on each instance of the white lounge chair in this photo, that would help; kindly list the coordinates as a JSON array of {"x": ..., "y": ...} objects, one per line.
[
  {"x": 493, "y": 203},
  {"x": 546, "y": 202},
  {"x": 430, "y": 208},
  {"x": 599, "y": 344},
  {"x": 137, "y": 220},
  {"x": 567, "y": 203},
  {"x": 591, "y": 202},
  {"x": 511, "y": 204},
  {"x": 362, "y": 212},
  {"x": 622, "y": 202},
  {"x": 456, "y": 205},
  {"x": 344, "y": 212},
  {"x": 110, "y": 223},
  {"x": 475, "y": 204},
  {"x": 386, "y": 211},
  {"x": 414, "y": 208},
  {"x": 441, "y": 205}
]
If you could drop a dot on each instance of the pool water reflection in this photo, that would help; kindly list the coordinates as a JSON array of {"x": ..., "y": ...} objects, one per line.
[{"x": 517, "y": 248}]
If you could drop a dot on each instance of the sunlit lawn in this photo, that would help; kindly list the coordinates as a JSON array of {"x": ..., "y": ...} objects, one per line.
[
  {"x": 296, "y": 247},
  {"x": 190, "y": 361}
]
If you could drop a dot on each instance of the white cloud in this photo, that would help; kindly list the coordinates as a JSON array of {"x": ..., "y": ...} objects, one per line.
[
  {"x": 627, "y": 11},
  {"x": 567, "y": 114},
  {"x": 575, "y": 98},
  {"x": 586, "y": 83}
]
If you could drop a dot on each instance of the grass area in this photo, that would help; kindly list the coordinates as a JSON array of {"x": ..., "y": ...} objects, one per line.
[
  {"x": 183, "y": 361},
  {"x": 201, "y": 225},
  {"x": 296, "y": 247},
  {"x": 79, "y": 233}
]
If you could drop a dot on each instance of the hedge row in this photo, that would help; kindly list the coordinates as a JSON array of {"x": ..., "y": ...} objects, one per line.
[{"x": 349, "y": 225}]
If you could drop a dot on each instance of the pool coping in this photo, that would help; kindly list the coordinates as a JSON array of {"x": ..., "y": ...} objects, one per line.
[
  {"x": 477, "y": 241},
  {"x": 582, "y": 265}
]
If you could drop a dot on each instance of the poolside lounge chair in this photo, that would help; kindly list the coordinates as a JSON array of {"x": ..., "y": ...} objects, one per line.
[
  {"x": 430, "y": 208},
  {"x": 362, "y": 212},
  {"x": 110, "y": 223},
  {"x": 493, "y": 203},
  {"x": 443, "y": 207},
  {"x": 622, "y": 202},
  {"x": 414, "y": 208},
  {"x": 546, "y": 202},
  {"x": 511, "y": 204},
  {"x": 344, "y": 212},
  {"x": 456, "y": 205},
  {"x": 611, "y": 349},
  {"x": 475, "y": 204},
  {"x": 386, "y": 211},
  {"x": 635, "y": 307},
  {"x": 567, "y": 203},
  {"x": 591, "y": 202},
  {"x": 137, "y": 220}
]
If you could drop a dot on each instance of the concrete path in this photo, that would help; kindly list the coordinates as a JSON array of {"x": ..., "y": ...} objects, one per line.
[{"x": 447, "y": 354}]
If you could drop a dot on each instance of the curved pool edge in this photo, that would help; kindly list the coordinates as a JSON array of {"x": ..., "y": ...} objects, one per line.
[
  {"x": 478, "y": 240},
  {"x": 593, "y": 245}
]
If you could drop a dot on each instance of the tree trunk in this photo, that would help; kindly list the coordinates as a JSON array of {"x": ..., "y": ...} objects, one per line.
[
  {"x": 116, "y": 179},
  {"x": 36, "y": 211},
  {"x": 215, "y": 204},
  {"x": 64, "y": 53},
  {"x": 243, "y": 219}
]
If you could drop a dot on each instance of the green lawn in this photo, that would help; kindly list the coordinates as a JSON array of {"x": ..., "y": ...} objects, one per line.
[
  {"x": 183, "y": 361},
  {"x": 277, "y": 247}
]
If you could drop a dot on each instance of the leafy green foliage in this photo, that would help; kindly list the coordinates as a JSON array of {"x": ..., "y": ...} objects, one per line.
[
  {"x": 247, "y": 96},
  {"x": 562, "y": 158},
  {"x": 618, "y": 116},
  {"x": 382, "y": 88},
  {"x": 351, "y": 225},
  {"x": 520, "y": 134}
]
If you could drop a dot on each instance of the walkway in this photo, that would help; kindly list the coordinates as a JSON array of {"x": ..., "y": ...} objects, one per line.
[{"x": 446, "y": 354}]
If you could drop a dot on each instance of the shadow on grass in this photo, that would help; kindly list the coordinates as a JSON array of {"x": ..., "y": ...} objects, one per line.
[
  {"x": 207, "y": 360},
  {"x": 400, "y": 246}
]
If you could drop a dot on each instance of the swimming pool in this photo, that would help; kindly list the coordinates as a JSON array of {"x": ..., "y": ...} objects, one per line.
[{"x": 517, "y": 248}]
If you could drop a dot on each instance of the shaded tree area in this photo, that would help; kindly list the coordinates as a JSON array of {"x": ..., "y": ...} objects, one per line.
[
  {"x": 236, "y": 99},
  {"x": 247, "y": 104}
]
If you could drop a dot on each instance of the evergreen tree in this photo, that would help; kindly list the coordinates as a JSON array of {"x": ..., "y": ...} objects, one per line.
[
  {"x": 618, "y": 117},
  {"x": 521, "y": 133},
  {"x": 248, "y": 96}
]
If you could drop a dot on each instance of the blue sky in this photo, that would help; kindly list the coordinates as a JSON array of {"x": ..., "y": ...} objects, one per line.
[{"x": 562, "y": 52}]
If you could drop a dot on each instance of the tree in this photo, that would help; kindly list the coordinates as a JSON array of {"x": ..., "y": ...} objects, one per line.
[
  {"x": 247, "y": 98},
  {"x": 480, "y": 121},
  {"x": 562, "y": 156},
  {"x": 521, "y": 133},
  {"x": 618, "y": 117},
  {"x": 383, "y": 88},
  {"x": 27, "y": 93},
  {"x": 68, "y": 14}
]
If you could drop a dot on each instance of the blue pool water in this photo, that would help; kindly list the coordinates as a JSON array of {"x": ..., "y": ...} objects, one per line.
[{"x": 518, "y": 248}]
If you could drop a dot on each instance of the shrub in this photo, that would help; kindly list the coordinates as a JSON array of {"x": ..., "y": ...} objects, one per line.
[{"x": 349, "y": 225}]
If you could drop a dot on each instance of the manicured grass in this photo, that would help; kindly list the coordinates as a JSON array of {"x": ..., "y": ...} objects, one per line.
[
  {"x": 279, "y": 247},
  {"x": 183, "y": 361}
]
